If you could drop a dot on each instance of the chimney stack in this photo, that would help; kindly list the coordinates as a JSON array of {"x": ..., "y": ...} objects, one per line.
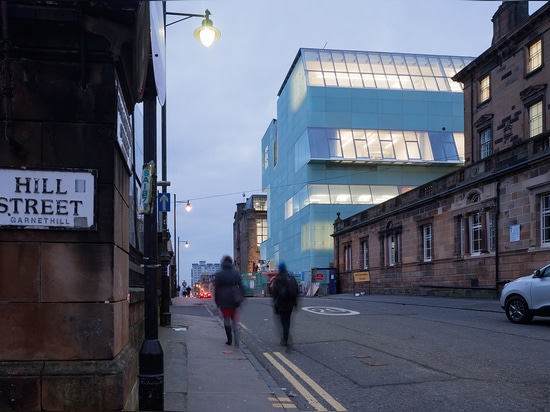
[{"x": 508, "y": 16}]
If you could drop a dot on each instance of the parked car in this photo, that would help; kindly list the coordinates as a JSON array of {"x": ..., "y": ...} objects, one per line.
[{"x": 527, "y": 296}]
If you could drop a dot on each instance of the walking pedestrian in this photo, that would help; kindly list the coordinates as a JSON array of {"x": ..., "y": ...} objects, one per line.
[
  {"x": 227, "y": 284},
  {"x": 285, "y": 298}
]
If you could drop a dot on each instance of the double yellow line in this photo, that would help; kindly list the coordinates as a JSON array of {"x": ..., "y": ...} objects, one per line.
[{"x": 301, "y": 388}]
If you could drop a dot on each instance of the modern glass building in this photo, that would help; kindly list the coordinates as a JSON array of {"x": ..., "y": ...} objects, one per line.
[{"x": 354, "y": 129}]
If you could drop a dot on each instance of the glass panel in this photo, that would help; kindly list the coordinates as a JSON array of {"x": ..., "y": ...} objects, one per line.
[
  {"x": 339, "y": 62},
  {"x": 382, "y": 193},
  {"x": 360, "y": 195},
  {"x": 424, "y": 66},
  {"x": 400, "y": 64},
  {"x": 364, "y": 64},
  {"x": 368, "y": 80},
  {"x": 535, "y": 56},
  {"x": 334, "y": 143},
  {"x": 412, "y": 146},
  {"x": 339, "y": 194},
  {"x": 312, "y": 60},
  {"x": 425, "y": 146},
  {"x": 387, "y": 144},
  {"x": 431, "y": 84},
  {"x": 348, "y": 147},
  {"x": 393, "y": 81},
  {"x": 436, "y": 68},
  {"x": 448, "y": 66},
  {"x": 535, "y": 119},
  {"x": 442, "y": 84},
  {"x": 406, "y": 82},
  {"x": 318, "y": 194},
  {"x": 381, "y": 81},
  {"x": 443, "y": 146},
  {"x": 374, "y": 144},
  {"x": 326, "y": 61},
  {"x": 418, "y": 83},
  {"x": 361, "y": 147},
  {"x": 376, "y": 63},
  {"x": 343, "y": 80},
  {"x": 302, "y": 197},
  {"x": 356, "y": 80},
  {"x": 316, "y": 78},
  {"x": 387, "y": 61},
  {"x": 399, "y": 145},
  {"x": 455, "y": 86},
  {"x": 330, "y": 78},
  {"x": 459, "y": 63},
  {"x": 288, "y": 208},
  {"x": 412, "y": 65},
  {"x": 351, "y": 61},
  {"x": 318, "y": 143}
]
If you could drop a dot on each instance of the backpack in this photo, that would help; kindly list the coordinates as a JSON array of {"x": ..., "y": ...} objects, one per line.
[{"x": 288, "y": 287}]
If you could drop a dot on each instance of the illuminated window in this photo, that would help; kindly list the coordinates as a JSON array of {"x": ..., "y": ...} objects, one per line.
[
  {"x": 484, "y": 89},
  {"x": 535, "y": 119},
  {"x": 485, "y": 143},
  {"x": 534, "y": 56},
  {"x": 261, "y": 230}
]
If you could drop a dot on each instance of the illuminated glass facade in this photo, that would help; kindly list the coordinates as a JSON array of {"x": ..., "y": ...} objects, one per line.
[{"x": 354, "y": 129}]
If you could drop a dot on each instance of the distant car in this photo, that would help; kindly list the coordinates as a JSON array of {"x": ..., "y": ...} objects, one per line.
[
  {"x": 205, "y": 294},
  {"x": 528, "y": 296}
]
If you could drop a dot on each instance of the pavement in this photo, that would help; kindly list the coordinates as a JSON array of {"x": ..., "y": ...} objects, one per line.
[{"x": 203, "y": 374}]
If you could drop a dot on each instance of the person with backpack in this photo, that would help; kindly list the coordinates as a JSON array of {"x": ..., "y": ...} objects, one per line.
[{"x": 285, "y": 298}]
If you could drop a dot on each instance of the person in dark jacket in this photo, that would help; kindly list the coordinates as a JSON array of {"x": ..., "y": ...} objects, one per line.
[
  {"x": 284, "y": 304},
  {"x": 226, "y": 279}
]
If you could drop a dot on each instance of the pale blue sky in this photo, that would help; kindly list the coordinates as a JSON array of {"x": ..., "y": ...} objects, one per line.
[{"x": 221, "y": 100}]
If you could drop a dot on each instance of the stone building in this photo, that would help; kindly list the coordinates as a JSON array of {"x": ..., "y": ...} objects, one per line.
[
  {"x": 249, "y": 231},
  {"x": 468, "y": 232},
  {"x": 71, "y": 243}
]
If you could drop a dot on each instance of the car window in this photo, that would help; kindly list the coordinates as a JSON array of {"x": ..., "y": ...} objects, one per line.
[{"x": 545, "y": 272}]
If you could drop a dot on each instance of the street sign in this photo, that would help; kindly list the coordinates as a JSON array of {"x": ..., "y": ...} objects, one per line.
[{"x": 164, "y": 202}]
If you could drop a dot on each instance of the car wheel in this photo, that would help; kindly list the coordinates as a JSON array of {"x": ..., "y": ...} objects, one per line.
[{"x": 517, "y": 310}]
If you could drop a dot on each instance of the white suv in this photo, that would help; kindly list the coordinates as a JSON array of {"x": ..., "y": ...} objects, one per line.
[{"x": 527, "y": 296}]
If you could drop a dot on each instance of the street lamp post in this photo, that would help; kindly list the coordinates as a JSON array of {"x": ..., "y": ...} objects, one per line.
[
  {"x": 185, "y": 244},
  {"x": 151, "y": 356},
  {"x": 206, "y": 34}
]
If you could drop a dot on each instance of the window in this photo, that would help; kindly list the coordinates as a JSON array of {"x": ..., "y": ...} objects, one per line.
[
  {"x": 391, "y": 242},
  {"x": 485, "y": 143},
  {"x": 261, "y": 230},
  {"x": 392, "y": 247},
  {"x": 427, "y": 244},
  {"x": 266, "y": 158},
  {"x": 534, "y": 56},
  {"x": 347, "y": 258},
  {"x": 545, "y": 220},
  {"x": 484, "y": 89},
  {"x": 476, "y": 239},
  {"x": 365, "y": 254},
  {"x": 535, "y": 119}
]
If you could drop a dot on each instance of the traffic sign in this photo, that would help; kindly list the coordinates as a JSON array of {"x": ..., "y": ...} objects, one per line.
[{"x": 164, "y": 202}]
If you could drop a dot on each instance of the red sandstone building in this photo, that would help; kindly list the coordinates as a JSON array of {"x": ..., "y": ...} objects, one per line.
[{"x": 472, "y": 230}]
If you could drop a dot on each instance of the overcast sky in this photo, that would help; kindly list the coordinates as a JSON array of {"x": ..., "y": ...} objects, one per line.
[{"x": 221, "y": 100}]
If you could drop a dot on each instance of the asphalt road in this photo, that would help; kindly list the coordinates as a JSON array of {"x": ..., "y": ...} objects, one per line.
[{"x": 385, "y": 353}]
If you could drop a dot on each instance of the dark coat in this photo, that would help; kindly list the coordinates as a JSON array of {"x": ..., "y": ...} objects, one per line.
[
  {"x": 280, "y": 304},
  {"x": 226, "y": 278}
]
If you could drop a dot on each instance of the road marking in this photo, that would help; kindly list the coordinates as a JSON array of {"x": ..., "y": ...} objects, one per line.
[
  {"x": 294, "y": 382},
  {"x": 283, "y": 402},
  {"x": 333, "y": 402},
  {"x": 324, "y": 310}
]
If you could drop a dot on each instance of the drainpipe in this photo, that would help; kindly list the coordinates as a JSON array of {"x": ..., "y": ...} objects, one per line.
[{"x": 497, "y": 213}]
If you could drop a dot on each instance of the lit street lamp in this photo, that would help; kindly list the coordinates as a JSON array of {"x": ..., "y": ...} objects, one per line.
[
  {"x": 151, "y": 356},
  {"x": 185, "y": 244}
]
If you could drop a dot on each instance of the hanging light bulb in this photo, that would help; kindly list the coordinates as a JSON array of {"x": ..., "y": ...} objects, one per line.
[
  {"x": 207, "y": 33},
  {"x": 188, "y": 206},
  {"x": 186, "y": 244}
]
